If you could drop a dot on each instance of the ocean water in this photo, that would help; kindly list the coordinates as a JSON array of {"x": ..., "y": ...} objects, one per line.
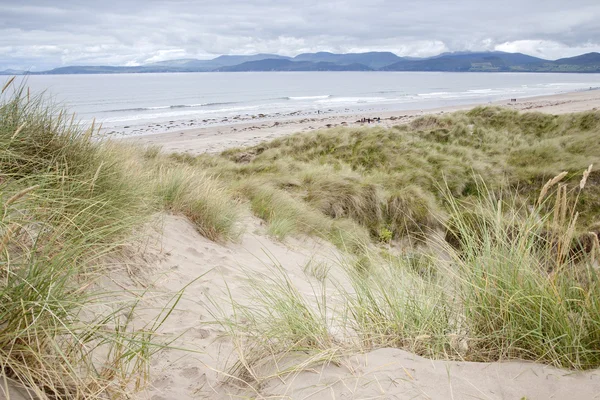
[{"x": 129, "y": 103}]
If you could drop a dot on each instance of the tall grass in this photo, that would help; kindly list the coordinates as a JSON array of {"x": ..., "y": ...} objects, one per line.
[
  {"x": 516, "y": 284},
  {"x": 65, "y": 202},
  {"x": 528, "y": 289},
  {"x": 386, "y": 180},
  {"x": 205, "y": 201},
  {"x": 68, "y": 203},
  {"x": 279, "y": 324}
]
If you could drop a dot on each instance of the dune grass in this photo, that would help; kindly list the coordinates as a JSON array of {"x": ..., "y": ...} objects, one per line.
[
  {"x": 387, "y": 180},
  {"x": 508, "y": 292},
  {"x": 452, "y": 251},
  {"x": 476, "y": 245},
  {"x": 68, "y": 204},
  {"x": 203, "y": 200}
]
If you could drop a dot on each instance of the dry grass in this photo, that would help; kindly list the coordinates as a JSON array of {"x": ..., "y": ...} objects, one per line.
[
  {"x": 515, "y": 279},
  {"x": 387, "y": 180},
  {"x": 519, "y": 280},
  {"x": 507, "y": 293},
  {"x": 67, "y": 202}
]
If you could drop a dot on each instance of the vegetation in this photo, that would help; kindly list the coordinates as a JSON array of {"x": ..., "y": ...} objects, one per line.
[
  {"x": 464, "y": 257},
  {"x": 68, "y": 206},
  {"x": 514, "y": 289},
  {"x": 388, "y": 181},
  {"x": 465, "y": 239}
]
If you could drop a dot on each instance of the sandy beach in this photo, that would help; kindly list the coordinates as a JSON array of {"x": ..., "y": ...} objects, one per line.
[
  {"x": 279, "y": 200},
  {"x": 214, "y": 139}
]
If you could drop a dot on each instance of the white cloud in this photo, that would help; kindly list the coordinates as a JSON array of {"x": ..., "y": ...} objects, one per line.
[
  {"x": 119, "y": 32},
  {"x": 547, "y": 49}
]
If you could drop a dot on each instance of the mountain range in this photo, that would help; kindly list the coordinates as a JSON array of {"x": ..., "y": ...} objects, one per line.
[{"x": 372, "y": 61}]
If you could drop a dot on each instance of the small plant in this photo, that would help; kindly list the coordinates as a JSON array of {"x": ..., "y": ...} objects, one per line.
[{"x": 385, "y": 235}]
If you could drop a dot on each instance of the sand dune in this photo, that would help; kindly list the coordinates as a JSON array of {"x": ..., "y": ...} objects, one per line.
[{"x": 182, "y": 256}]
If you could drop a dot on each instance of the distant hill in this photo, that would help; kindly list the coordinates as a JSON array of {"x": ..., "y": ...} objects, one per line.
[
  {"x": 374, "y": 60},
  {"x": 12, "y": 72},
  {"x": 513, "y": 58},
  {"x": 588, "y": 59},
  {"x": 589, "y": 62},
  {"x": 288, "y": 65},
  {"x": 191, "y": 64},
  {"x": 494, "y": 61},
  {"x": 188, "y": 64},
  {"x": 227, "y": 61},
  {"x": 467, "y": 62},
  {"x": 498, "y": 62}
]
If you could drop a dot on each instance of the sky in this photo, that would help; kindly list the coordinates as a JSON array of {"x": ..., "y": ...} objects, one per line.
[{"x": 42, "y": 34}]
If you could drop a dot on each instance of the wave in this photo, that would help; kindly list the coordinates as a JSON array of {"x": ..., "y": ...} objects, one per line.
[
  {"x": 308, "y": 97},
  {"x": 354, "y": 100},
  {"x": 434, "y": 94},
  {"x": 225, "y": 103},
  {"x": 482, "y": 91},
  {"x": 171, "y": 107}
]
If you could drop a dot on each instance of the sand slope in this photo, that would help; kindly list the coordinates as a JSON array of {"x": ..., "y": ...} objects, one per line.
[
  {"x": 181, "y": 255},
  {"x": 185, "y": 256}
]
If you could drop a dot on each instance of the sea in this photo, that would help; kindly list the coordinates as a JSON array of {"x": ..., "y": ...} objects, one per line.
[{"x": 128, "y": 104}]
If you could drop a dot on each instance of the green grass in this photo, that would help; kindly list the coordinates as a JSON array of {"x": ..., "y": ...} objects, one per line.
[
  {"x": 388, "y": 179},
  {"x": 202, "y": 199},
  {"x": 459, "y": 257},
  {"x": 505, "y": 293},
  {"x": 68, "y": 204}
]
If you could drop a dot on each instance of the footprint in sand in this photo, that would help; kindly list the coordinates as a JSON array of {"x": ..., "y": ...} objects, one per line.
[
  {"x": 193, "y": 251},
  {"x": 222, "y": 270},
  {"x": 164, "y": 382},
  {"x": 189, "y": 373},
  {"x": 200, "y": 333}
]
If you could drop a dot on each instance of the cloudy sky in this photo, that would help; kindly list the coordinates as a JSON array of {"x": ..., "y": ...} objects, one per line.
[{"x": 41, "y": 34}]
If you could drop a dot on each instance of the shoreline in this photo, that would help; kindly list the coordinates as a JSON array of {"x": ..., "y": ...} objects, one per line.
[{"x": 242, "y": 133}]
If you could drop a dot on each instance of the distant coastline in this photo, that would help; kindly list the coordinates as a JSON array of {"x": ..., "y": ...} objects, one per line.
[{"x": 372, "y": 61}]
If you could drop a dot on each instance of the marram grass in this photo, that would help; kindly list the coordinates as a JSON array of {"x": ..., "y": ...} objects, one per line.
[
  {"x": 504, "y": 293},
  {"x": 68, "y": 202}
]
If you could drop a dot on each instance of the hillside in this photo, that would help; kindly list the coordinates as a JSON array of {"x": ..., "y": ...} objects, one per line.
[
  {"x": 373, "y": 60},
  {"x": 378, "y": 61},
  {"x": 498, "y": 62},
  {"x": 468, "y": 62},
  {"x": 288, "y": 65},
  {"x": 446, "y": 232}
]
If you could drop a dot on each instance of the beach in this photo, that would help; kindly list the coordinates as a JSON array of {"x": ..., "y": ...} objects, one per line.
[{"x": 230, "y": 134}]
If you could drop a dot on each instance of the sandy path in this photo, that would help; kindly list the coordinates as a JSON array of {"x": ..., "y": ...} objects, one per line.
[{"x": 218, "y": 138}]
